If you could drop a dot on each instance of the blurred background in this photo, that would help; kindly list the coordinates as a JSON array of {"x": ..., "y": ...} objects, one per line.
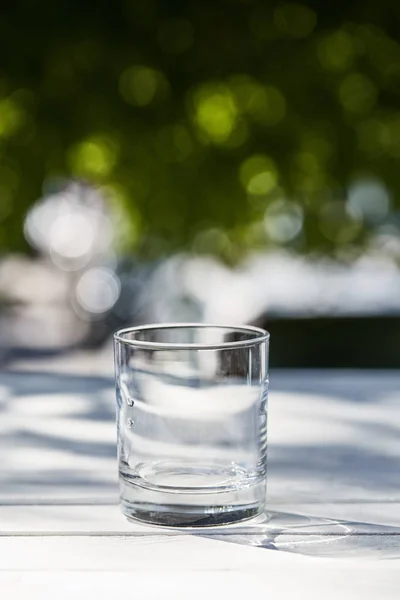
[{"x": 232, "y": 161}]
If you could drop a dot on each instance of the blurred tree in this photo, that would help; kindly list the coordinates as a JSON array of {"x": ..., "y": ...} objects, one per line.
[{"x": 214, "y": 125}]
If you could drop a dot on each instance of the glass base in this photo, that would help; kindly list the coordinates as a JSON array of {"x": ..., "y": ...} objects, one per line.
[{"x": 190, "y": 496}]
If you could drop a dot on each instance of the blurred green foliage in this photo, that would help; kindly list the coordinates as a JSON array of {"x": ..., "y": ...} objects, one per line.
[{"x": 216, "y": 125}]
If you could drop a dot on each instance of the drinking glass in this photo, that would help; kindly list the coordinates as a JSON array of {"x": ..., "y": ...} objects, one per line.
[{"x": 192, "y": 422}]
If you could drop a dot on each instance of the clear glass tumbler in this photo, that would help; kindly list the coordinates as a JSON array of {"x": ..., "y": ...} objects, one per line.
[{"x": 192, "y": 422}]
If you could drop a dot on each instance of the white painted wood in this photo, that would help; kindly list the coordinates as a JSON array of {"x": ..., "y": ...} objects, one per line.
[
  {"x": 182, "y": 568},
  {"x": 333, "y": 495},
  {"x": 332, "y": 437},
  {"x": 107, "y": 519},
  {"x": 382, "y": 515}
]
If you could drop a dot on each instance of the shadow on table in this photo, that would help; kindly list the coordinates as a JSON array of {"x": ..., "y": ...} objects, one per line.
[
  {"x": 313, "y": 536},
  {"x": 335, "y": 472},
  {"x": 338, "y": 436},
  {"x": 57, "y": 437},
  {"x": 354, "y": 385}
]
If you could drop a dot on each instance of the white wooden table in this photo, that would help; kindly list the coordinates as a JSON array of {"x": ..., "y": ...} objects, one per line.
[{"x": 334, "y": 498}]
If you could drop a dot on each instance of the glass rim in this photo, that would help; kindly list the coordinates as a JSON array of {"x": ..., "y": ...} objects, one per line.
[{"x": 259, "y": 336}]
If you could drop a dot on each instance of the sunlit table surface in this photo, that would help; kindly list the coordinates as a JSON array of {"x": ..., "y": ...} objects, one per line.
[{"x": 333, "y": 528}]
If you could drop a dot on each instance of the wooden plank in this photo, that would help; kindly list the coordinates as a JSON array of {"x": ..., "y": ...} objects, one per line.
[
  {"x": 333, "y": 436},
  {"x": 302, "y": 584},
  {"x": 337, "y": 519},
  {"x": 334, "y": 493},
  {"x": 183, "y": 567}
]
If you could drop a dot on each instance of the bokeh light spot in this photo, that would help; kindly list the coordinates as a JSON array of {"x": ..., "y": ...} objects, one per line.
[
  {"x": 70, "y": 225},
  {"x": 267, "y": 106},
  {"x": 243, "y": 88},
  {"x": 377, "y": 136},
  {"x": 71, "y": 236},
  {"x": 295, "y": 20},
  {"x": 239, "y": 135},
  {"x": 308, "y": 171},
  {"x": 283, "y": 220},
  {"x": 264, "y": 104},
  {"x": 318, "y": 146},
  {"x": 212, "y": 241},
  {"x": 339, "y": 222},
  {"x": 258, "y": 175},
  {"x": 141, "y": 85},
  {"x": 308, "y": 162},
  {"x": 12, "y": 117},
  {"x": 382, "y": 50},
  {"x": 371, "y": 198},
  {"x": 336, "y": 51},
  {"x": 94, "y": 157},
  {"x": 262, "y": 183},
  {"x": 175, "y": 36},
  {"x": 216, "y": 112},
  {"x": 357, "y": 93},
  {"x": 98, "y": 290}
]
